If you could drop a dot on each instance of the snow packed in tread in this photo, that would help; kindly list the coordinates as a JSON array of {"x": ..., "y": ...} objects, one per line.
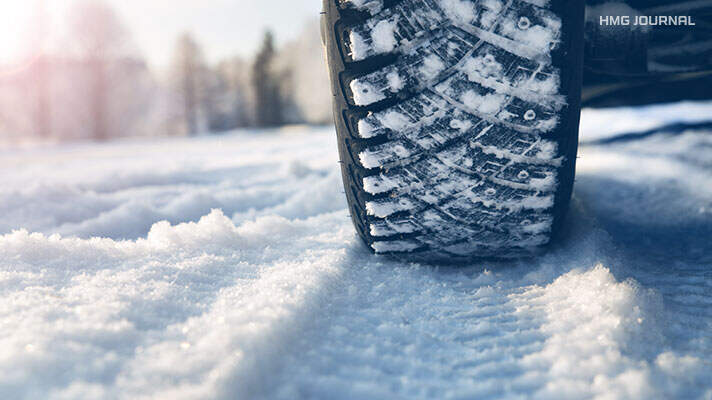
[{"x": 467, "y": 148}]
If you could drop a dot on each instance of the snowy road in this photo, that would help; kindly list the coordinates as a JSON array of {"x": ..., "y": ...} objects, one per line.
[{"x": 227, "y": 267}]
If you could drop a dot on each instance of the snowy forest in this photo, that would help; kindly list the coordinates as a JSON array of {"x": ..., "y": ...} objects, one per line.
[{"x": 100, "y": 87}]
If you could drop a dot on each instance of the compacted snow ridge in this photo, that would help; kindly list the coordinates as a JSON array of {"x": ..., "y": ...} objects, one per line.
[{"x": 227, "y": 267}]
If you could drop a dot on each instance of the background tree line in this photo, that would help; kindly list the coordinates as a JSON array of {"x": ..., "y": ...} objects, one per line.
[{"x": 100, "y": 87}]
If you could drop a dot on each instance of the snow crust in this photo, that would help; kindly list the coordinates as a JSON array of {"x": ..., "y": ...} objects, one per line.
[{"x": 227, "y": 267}]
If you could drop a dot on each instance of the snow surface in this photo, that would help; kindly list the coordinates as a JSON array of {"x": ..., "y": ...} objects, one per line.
[{"x": 227, "y": 267}]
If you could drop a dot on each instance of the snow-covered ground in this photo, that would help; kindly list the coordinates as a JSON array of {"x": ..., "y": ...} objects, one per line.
[{"x": 227, "y": 267}]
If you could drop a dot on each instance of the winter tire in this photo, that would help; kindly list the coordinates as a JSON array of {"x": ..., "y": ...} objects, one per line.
[{"x": 457, "y": 121}]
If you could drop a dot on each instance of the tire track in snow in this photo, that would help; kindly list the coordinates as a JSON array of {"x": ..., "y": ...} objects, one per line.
[
  {"x": 197, "y": 310},
  {"x": 234, "y": 349},
  {"x": 564, "y": 327},
  {"x": 279, "y": 308},
  {"x": 544, "y": 331},
  {"x": 653, "y": 197}
]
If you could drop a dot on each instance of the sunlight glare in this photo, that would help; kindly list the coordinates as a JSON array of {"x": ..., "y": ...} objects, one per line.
[{"x": 25, "y": 27}]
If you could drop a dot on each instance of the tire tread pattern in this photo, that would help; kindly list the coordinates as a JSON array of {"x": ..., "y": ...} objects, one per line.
[{"x": 455, "y": 128}]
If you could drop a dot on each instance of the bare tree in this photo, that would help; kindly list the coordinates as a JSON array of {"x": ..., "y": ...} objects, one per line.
[
  {"x": 43, "y": 109},
  {"x": 41, "y": 71},
  {"x": 190, "y": 68},
  {"x": 306, "y": 83},
  {"x": 100, "y": 38},
  {"x": 266, "y": 86},
  {"x": 223, "y": 99},
  {"x": 236, "y": 73}
]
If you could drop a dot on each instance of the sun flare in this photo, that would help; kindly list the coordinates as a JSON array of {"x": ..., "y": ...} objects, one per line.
[{"x": 26, "y": 28}]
